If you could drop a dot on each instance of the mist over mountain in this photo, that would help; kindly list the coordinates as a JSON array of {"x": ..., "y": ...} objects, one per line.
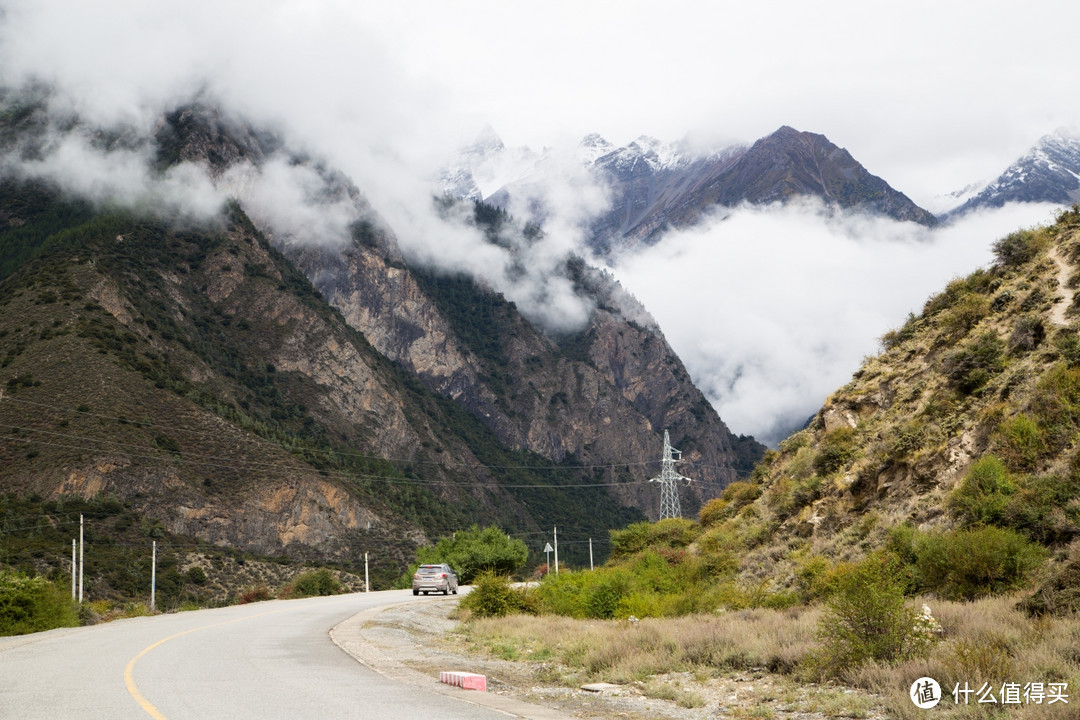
[
  {"x": 654, "y": 187},
  {"x": 206, "y": 268}
]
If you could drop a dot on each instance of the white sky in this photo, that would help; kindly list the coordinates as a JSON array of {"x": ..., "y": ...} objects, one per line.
[{"x": 931, "y": 96}]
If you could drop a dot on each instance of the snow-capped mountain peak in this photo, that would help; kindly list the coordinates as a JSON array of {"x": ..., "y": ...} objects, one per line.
[{"x": 1049, "y": 172}]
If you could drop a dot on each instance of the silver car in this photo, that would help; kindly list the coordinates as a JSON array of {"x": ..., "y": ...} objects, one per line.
[{"x": 434, "y": 578}]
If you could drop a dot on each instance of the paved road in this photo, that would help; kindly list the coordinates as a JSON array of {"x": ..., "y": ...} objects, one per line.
[{"x": 272, "y": 660}]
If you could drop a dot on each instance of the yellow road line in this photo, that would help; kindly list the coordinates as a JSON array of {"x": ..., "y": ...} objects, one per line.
[{"x": 129, "y": 671}]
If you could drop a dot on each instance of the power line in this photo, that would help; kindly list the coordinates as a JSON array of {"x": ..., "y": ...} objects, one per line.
[
  {"x": 339, "y": 474},
  {"x": 342, "y": 453}
]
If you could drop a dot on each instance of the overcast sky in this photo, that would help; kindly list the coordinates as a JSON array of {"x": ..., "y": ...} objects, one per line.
[{"x": 931, "y": 96}]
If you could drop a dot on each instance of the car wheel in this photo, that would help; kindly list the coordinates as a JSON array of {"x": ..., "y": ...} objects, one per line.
[
  {"x": 446, "y": 591},
  {"x": 455, "y": 591},
  {"x": 415, "y": 591},
  {"x": 425, "y": 592}
]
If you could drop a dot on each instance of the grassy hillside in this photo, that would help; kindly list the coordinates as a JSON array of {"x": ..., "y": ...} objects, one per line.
[{"x": 945, "y": 474}]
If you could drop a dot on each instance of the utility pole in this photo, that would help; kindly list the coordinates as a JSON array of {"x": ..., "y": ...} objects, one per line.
[
  {"x": 669, "y": 492},
  {"x": 367, "y": 583},
  {"x": 590, "y": 554},
  {"x": 153, "y": 577},
  {"x": 556, "y": 549},
  {"x": 82, "y": 551},
  {"x": 73, "y": 566}
]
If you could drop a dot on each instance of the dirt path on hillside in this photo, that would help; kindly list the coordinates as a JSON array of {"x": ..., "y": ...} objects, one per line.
[
  {"x": 414, "y": 641},
  {"x": 1064, "y": 273}
]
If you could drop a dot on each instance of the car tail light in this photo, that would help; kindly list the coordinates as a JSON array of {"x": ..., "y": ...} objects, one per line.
[
  {"x": 444, "y": 574},
  {"x": 416, "y": 575}
]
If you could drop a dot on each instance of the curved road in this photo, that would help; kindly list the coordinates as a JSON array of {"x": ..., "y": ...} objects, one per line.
[{"x": 270, "y": 660}]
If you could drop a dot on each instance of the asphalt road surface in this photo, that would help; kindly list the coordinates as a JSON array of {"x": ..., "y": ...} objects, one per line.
[{"x": 270, "y": 660}]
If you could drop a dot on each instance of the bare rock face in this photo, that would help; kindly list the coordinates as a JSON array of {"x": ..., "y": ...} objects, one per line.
[{"x": 602, "y": 397}]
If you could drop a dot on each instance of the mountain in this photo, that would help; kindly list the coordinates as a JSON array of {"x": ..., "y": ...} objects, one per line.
[
  {"x": 655, "y": 186},
  {"x": 962, "y": 430},
  {"x": 1048, "y": 173},
  {"x": 240, "y": 383}
]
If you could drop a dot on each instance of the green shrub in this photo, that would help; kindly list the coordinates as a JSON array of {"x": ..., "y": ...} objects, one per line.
[
  {"x": 965, "y": 315},
  {"x": 668, "y": 533},
  {"x": 1020, "y": 442},
  {"x": 835, "y": 450},
  {"x": 967, "y": 564},
  {"x": 563, "y": 593},
  {"x": 32, "y": 604},
  {"x": 493, "y": 595},
  {"x": 606, "y": 590},
  {"x": 1045, "y": 509},
  {"x": 1067, "y": 343},
  {"x": 736, "y": 496},
  {"x": 1018, "y": 248},
  {"x": 972, "y": 366},
  {"x": 713, "y": 512},
  {"x": 1056, "y": 406},
  {"x": 473, "y": 551},
  {"x": 867, "y": 619},
  {"x": 983, "y": 494},
  {"x": 313, "y": 583}
]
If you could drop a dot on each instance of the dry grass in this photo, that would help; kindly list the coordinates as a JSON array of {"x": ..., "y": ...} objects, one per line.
[
  {"x": 621, "y": 651},
  {"x": 983, "y": 641}
]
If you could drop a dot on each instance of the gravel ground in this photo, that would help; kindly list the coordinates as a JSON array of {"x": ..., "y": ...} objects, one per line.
[{"x": 416, "y": 640}]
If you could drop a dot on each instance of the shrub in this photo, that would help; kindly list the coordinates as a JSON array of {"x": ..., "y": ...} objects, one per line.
[
  {"x": 867, "y": 619},
  {"x": 1045, "y": 509},
  {"x": 835, "y": 450},
  {"x": 473, "y": 551},
  {"x": 32, "y": 604},
  {"x": 965, "y": 315},
  {"x": 1056, "y": 405},
  {"x": 967, "y": 564},
  {"x": 981, "y": 497},
  {"x": 1059, "y": 594},
  {"x": 493, "y": 595},
  {"x": 1028, "y": 332},
  {"x": 1017, "y": 248},
  {"x": 1067, "y": 343},
  {"x": 605, "y": 592},
  {"x": 313, "y": 583},
  {"x": 971, "y": 367},
  {"x": 713, "y": 512},
  {"x": 668, "y": 533},
  {"x": 896, "y": 337},
  {"x": 254, "y": 594},
  {"x": 736, "y": 496},
  {"x": 1020, "y": 442}
]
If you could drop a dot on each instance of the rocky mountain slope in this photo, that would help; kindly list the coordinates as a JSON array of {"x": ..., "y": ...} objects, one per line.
[
  {"x": 966, "y": 419},
  {"x": 192, "y": 371},
  {"x": 655, "y": 186},
  {"x": 1048, "y": 173},
  {"x": 786, "y": 164}
]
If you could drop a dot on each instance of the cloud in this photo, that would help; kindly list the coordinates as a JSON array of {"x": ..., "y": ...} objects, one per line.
[
  {"x": 75, "y": 162},
  {"x": 773, "y": 308}
]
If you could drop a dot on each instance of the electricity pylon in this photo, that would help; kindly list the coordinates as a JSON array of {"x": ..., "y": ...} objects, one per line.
[{"x": 669, "y": 493}]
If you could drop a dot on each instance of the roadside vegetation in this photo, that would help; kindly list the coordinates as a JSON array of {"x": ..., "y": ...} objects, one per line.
[
  {"x": 925, "y": 523},
  {"x": 35, "y": 567}
]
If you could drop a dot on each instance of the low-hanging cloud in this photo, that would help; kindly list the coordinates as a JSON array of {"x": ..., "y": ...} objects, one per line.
[
  {"x": 773, "y": 308},
  {"x": 72, "y": 161}
]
